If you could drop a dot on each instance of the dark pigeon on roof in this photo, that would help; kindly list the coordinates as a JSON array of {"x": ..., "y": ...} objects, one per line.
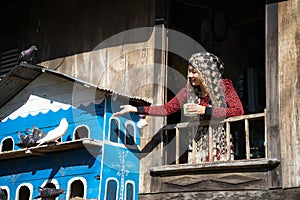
[{"x": 28, "y": 55}]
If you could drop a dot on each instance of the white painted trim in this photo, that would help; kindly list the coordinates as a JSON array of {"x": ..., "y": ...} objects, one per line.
[
  {"x": 7, "y": 190},
  {"x": 83, "y": 125},
  {"x": 28, "y": 185},
  {"x": 103, "y": 149},
  {"x": 117, "y": 190},
  {"x": 84, "y": 182},
  {"x": 133, "y": 192},
  {"x": 35, "y": 105},
  {"x": 5, "y": 139},
  {"x": 119, "y": 124},
  {"x": 130, "y": 122}
]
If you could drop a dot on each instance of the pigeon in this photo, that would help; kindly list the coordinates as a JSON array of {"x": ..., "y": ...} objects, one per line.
[
  {"x": 27, "y": 55},
  {"x": 56, "y": 133},
  {"x": 2, "y": 194},
  {"x": 49, "y": 192},
  {"x": 30, "y": 140}
]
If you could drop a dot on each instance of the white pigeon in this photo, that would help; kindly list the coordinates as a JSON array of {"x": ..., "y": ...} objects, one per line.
[{"x": 56, "y": 133}]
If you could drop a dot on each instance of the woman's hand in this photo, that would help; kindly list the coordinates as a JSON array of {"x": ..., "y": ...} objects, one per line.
[
  {"x": 195, "y": 108},
  {"x": 124, "y": 110}
]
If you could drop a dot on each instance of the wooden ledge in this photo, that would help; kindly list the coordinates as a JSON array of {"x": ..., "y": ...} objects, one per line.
[
  {"x": 51, "y": 148},
  {"x": 253, "y": 165}
]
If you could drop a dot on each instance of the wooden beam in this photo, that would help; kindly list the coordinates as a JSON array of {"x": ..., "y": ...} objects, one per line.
[
  {"x": 214, "y": 167},
  {"x": 272, "y": 93},
  {"x": 247, "y": 139},
  {"x": 228, "y": 143},
  {"x": 177, "y": 146}
]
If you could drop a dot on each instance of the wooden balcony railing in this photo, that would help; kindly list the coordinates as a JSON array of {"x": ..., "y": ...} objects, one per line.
[{"x": 227, "y": 123}]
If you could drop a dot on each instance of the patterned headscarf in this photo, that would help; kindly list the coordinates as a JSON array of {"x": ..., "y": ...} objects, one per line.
[{"x": 210, "y": 68}]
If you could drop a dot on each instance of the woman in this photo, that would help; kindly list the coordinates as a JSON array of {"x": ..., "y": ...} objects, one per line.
[{"x": 208, "y": 95}]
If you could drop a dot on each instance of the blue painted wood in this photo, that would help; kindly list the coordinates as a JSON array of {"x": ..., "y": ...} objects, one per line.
[
  {"x": 114, "y": 161},
  {"x": 122, "y": 166}
]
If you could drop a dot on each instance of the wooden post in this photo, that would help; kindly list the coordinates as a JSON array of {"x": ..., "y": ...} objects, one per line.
[
  {"x": 266, "y": 135},
  {"x": 162, "y": 147},
  {"x": 177, "y": 151},
  {"x": 210, "y": 144},
  {"x": 247, "y": 139},
  {"x": 194, "y": 151},
  {"x": 228, "y": 144},
  {"x": 272, "y": 90}
]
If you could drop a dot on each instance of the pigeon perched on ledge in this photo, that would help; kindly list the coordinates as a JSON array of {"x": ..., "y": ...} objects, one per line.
[
  {"x": 56, "y": 133},
  {"x": 49, "y": 193},
  {"x": 30, "y": 140},
  {"x": 28, "y": 55}
]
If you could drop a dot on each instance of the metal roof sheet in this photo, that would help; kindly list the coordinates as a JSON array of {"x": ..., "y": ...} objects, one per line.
[
  {"x": 23, "y": 74},
  {"x": 16, "y": 80}
]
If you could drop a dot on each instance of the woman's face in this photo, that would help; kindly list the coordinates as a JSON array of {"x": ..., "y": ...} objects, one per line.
[{"x": 193, "y": 76}]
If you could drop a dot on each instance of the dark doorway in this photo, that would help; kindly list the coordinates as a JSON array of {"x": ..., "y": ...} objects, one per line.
[{"x": 232, "y": 30}]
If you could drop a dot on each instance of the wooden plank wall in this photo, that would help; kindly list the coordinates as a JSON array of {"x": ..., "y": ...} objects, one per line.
[
  {"x": 86, "y": 40},
  {"x": 289, "y": 95}
]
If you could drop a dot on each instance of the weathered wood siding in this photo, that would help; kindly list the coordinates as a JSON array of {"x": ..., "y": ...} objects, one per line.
[
  {"x": 126, "y": 69},
  {"x": 291, "y": 194},
  {"x": 289, "y": 87},
  {"x": 62, "y": 28},
  {"x": 100, "y": 42},
  {"x": 103, "y": 42},
  {"x": 272, "y": 90}
]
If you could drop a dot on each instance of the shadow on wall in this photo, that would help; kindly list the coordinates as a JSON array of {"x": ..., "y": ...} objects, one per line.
[{"x": 60, "y": 29}]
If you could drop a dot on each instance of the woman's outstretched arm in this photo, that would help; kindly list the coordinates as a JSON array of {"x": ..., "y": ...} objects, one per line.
[{"x": 170, "y": 107}]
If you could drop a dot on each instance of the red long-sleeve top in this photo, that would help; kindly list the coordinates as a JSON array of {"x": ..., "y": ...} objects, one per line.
[{"x": 234, "y": 104}]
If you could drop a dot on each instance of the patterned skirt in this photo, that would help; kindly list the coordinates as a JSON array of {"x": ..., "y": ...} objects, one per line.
[{"x": 200, "y": 149}]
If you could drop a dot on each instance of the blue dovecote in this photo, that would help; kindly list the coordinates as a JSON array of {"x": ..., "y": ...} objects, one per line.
[{"x": 97, "y": 157}]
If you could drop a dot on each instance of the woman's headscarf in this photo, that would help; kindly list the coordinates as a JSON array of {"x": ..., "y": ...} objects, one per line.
[{"x": 210, "y": 68}]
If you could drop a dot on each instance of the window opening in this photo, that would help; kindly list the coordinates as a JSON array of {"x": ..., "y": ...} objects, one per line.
[
  {"x": 77, "y": 189},
  {"x": 111, "y": 190},
  {"x": 130, "y": 133},
  {"x": 50, "y": 185},
  {"x": 3, "y": 194},
  {"x": 24, "y": 193},
  {"x": 7, "y": 144},
  {"x": 81, "y": 132},
  {"x": 114, "y": 130},
  {"x": 129, "y": 191}
]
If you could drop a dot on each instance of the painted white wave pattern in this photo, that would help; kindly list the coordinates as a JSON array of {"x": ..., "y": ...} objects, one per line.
[{"x": 36, "y": 105}]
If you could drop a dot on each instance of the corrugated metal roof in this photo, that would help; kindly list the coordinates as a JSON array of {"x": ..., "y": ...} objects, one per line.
[
  {"x": 24, "y": 73},
  {"x": 16, "y": 80}
]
